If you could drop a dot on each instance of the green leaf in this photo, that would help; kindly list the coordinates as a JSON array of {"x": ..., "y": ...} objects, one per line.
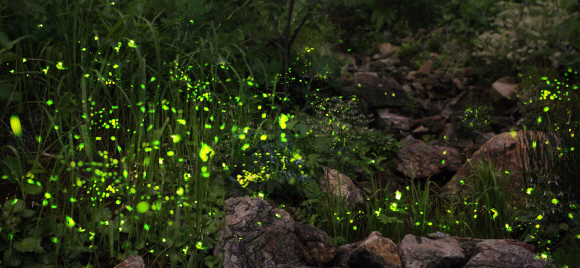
[
  {"x": 15, "y": 206},
  {"x": 132, "y": 252},
  {"x": 140, "y": 243},
  {"x": 12, "y": 165},
  {"x": 214, "y": 226},
  {"x": 13, "y": 258},
  {"x": 176, "y": 258},
  {"x": 385, "y": 220},
  {"x": 211, "y": 261},
  {"x": 77, "y": 250},
  {"x": 48, "y": 258},
  {"x": 102, "y": 214},
  {"x": 380, "y": 23},
  {"x": 27, "y": 213},
  {"x": 552, "y": 229},
  {"x": 568, "y": 257},
  {"x": 303, "y": 13},
  {"x": 31, "y": 188},
  {"x": 316, "y": 27},
  {"x": 376, "y": 14},
  {"x": 9, "y": 56},
  {"x": 152, "y": 236},
  {"x": 28, "y": 244},
  {"x": 126, "y": 244},
  {"x": 126, "y": 228},
  {"x": 528, "y": 238},
  {"x": 363, "y": 15},
  {"x": 169, "y": 242},
  {"x": 5, "y": 41}
]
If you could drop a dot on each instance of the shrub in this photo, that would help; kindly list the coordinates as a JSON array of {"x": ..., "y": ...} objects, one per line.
[
  {"x": 342, "y": 136},
  {"x": 268, "y": 167},
  {"x": 525, "y": 32},
  {"x": 476, "y": 117},
  {"x": 343, "y": 140},
  {"x": 408, "y": 50}
]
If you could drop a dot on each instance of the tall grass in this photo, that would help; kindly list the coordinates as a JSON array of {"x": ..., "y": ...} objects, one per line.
[{"x": 553, "y": 160}]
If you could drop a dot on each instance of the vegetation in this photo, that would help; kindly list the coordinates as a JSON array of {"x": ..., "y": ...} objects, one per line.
[{"x": 119, "y": 118}]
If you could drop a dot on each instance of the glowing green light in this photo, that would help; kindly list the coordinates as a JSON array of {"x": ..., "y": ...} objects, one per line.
[
  {"x": 143, "y": 207},
  {"x": 15, "y": 124}
]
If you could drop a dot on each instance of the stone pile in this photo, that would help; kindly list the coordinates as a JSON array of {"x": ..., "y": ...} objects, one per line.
[
  {"x": 413, "y": 104},
  {"x": 257, "y": 235}
]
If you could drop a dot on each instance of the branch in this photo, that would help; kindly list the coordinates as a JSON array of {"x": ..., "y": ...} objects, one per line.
[
  {"x": 289, "y": 18},
  {"x": 278, "y": 35},
  {"x": 297, "y": 30}
]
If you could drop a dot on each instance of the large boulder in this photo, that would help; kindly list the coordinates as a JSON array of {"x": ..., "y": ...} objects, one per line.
[
  {"x": 257, "y": 235},
  {"x": 508, "y": 152}
]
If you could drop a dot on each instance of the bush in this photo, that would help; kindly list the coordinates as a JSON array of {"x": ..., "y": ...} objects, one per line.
[
  {"x": 408, "y": 50},
  {"x": 525, "y": 33},
  {"x": 342, "y": 137},
  {"x": 269, "y": 167}
]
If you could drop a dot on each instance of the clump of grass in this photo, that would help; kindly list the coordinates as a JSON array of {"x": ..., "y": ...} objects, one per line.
[{"x": 552, "y": 162}]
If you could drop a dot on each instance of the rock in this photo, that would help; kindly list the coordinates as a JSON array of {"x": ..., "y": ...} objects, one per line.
[
  {"x": 349, "y": 59},
  {"x": 134, "y": 261},
  {"x": 387, "y": 49},
  {"x": 458, "y": 84},
  {"x": 352, "y": 193},
  {"x": 419, "y": 160},
  {"x": 378, "y": 92},
  {"x": 504, "y": 88},
  {"x": 505, "y": 148},
  {"x": 257, "y": 235},
  {"x": 426, "y": 68},
  {"x": 433, "y": 56}
]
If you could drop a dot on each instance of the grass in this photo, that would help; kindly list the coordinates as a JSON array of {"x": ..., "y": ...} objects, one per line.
[{"x": 110, "y": 152}]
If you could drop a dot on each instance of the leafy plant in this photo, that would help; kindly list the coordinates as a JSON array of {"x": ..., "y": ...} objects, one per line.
[
  {"x": 273, "y": 166},
  {"x": 525, "y": 32},
  {"x": 6, "y": 88},
  {"x": 547, "y": 229},
  {"x": 310, "y": 69},
  {"x": 21, "y": 243},
  {"x": 410, "y": 49},
  {"x": 434, "y": 42},
  {"x": 344, "y": 136},
  {"x": 5, "y": 55},
  {"x": 476, "y": 117},
  {"x": 468, "y": 17},
  {"x": 566, "y": 256},
  {"x": 306, "y": 213}
]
